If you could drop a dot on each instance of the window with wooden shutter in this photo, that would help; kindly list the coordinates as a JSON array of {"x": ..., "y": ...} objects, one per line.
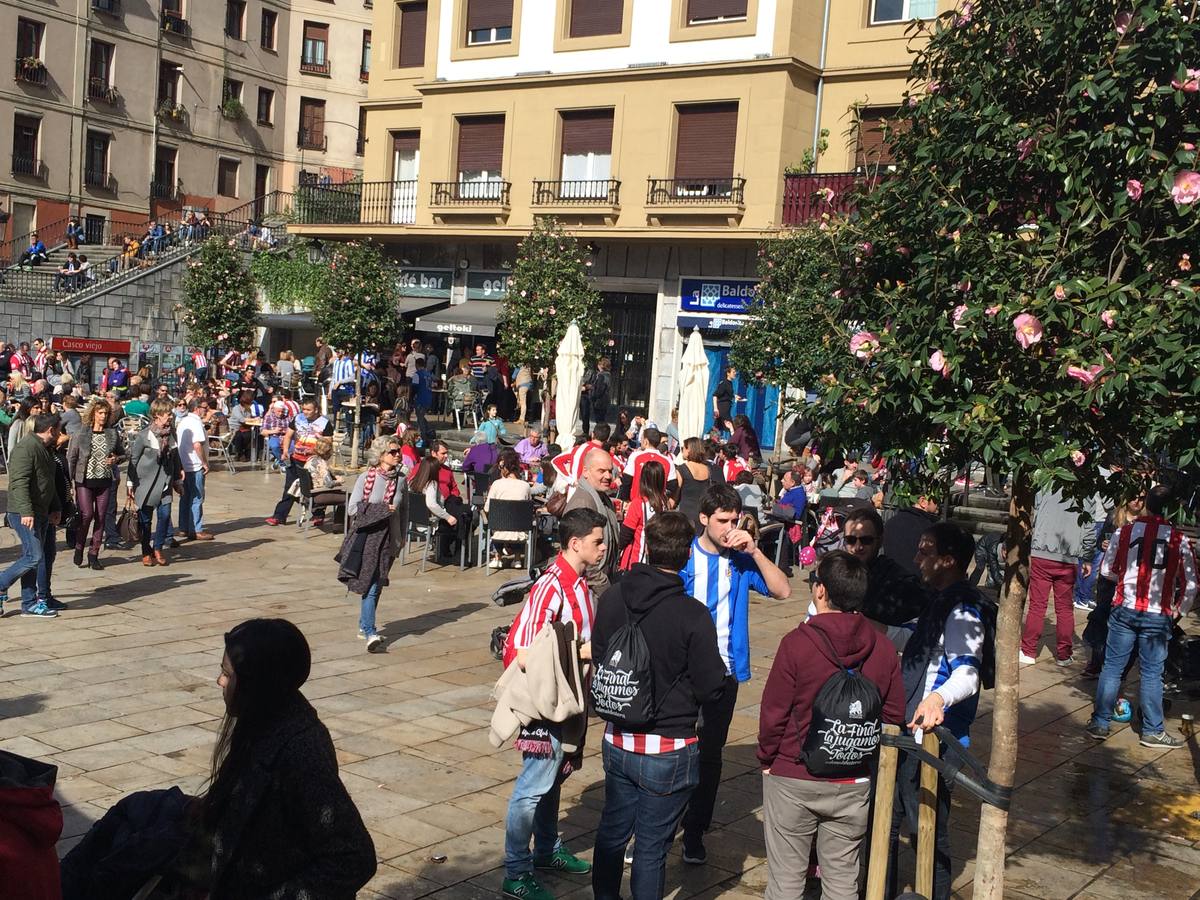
[
  {"x": 480, "y": 148},
  {"x": 312, "y": 123},
  {"x": 270, "y": 21},
  {"x": 701, "y": 11},
  {"x": 586, "y": 152},
  {"x": 413, "y": 19},
  {"x": 872, "y": 149},
  {"x": 489, "y": 21},
  {"x": 227, "y": 177},
  {"x": 594, "y": 17},
  {"x": 316, "y": 41},
  {"x": 266, "y": 106},
  {"x": 705, "y": 141}
]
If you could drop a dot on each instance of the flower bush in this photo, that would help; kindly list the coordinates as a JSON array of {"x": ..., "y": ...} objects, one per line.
[
  {"x": 548, "y": 290},
  {"x": 1054, "y": 170},
  {"x": 220, "y": 306}
]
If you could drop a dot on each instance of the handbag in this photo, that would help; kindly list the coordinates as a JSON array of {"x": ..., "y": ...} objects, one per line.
[
  {"x": 128, "y": 525},
  {"x": 557, "y": 504}
]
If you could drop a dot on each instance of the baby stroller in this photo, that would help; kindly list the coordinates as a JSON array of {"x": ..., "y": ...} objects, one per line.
[{"x": 827, "y": 536}]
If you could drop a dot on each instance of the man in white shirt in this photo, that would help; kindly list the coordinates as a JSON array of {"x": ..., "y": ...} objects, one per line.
[{"x": 193, "y": 454}]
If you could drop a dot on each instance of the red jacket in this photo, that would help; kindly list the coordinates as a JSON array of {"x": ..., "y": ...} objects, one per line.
[
  {"x": 800, "y": 671},
  {"x": 30, "y": 824}
]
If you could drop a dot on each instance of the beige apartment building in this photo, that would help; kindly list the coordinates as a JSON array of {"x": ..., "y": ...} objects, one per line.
[
  {"x": 120, "y": 110},
  {"x": 667, "y": 134}
]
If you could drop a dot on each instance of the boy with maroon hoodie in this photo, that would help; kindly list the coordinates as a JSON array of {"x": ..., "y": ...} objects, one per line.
[{"x": 798, "y": 806}]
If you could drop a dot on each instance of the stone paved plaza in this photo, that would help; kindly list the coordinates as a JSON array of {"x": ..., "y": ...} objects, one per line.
[{"x": 120, "y": 693}]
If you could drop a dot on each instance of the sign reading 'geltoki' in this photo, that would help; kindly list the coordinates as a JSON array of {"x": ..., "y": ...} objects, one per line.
[{"x": 717, "y": 295}]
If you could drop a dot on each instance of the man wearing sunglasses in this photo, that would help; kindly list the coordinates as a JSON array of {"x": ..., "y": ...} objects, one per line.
[{"x": 894, "y": 595}]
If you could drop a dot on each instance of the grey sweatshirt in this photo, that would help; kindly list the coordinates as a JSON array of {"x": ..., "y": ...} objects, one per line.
[{"x": 1058, "y": 533}]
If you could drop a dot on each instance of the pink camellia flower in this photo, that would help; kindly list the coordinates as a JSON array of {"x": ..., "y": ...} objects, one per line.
[
  {"x": 956, "y": 316},
  {"x": 1133, "y": 188},
  {"x": 867, "y": 248},
  {"x": 864, "y": 344},
  {"x": 1109, "y": 317},
  {"x": 827, "y": 194},
  {"x": 934, "y": 86},
  {"x": 1086, "y": 377},
  {"x": 1025, "y": 147},
  {"x": 1187, "y": 187},
  {"x": 1122, "y": 22},
  {"x": 964, "y": 286},
  {"x": 937, "y": 362},
  {"x": 1060, "y": 292},
  {"x": 965, "y": 14},
  {"x": 1190, "y": 83},
  {"x": 1078, "y": 458},
  {"x": 992, "y": 310},
  {"x": 553, "y": 311},
  {"x": 1185, "y": 263},
  {"x": 1028, "y": 330},
  {"x": 913, "y": 101},
  {"x": 1188, "y": 146},
  {"x": 904, "y": 251}
]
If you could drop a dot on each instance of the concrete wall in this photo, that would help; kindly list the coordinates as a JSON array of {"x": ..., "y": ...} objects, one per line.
[{"x": 138, "y": 311}]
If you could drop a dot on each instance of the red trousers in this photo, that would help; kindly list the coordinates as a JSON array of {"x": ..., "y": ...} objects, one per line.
[{"x": 1045, "y": 574}]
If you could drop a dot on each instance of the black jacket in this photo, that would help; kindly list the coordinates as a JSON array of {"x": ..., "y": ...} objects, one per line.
[
  {"x": 680, "y": 636},
  {"x": 903, "y": 532},
  {"x": 894, "y": 595}
]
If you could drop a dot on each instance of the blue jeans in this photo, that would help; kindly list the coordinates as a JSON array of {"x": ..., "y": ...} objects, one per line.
[
  {"x": 191, "y": 508},
  {"x": 1149, "y": 632},
  {"x": 340, "y": 413},
  {"x": 162, "y": 531},
  {"x": 370, "y": 600},
  {"x": 26, "y": 565},
  {"x": 533, "y": 812},
  {"x": 45, "y": 569},
  {"x": 1085, "y": 588},
  {"x": 644, "y": 798},
  {"x": 275, "y": 448}
]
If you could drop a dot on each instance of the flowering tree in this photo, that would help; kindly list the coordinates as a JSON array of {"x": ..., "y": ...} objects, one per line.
[
  {"x": 357, "y": 309},
  {"x": 1021, "y": 289},
  {"x": 220, "y": 305},
  {"x": 548, "y": 290}
]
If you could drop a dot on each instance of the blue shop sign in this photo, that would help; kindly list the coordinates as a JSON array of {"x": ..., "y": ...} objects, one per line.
[
  {"x": 432, "y": 283},
  {"x": 717, "y": 295}
]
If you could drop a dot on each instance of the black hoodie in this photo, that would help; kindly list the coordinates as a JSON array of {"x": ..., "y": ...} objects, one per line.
[{"x": 680, "y": 636}]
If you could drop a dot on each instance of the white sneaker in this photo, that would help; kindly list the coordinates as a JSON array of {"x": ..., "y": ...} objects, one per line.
[
  {"x": 1027, "y": 660},
  {"x": 375, "y": 644},
  {"x": 362, "y": 635},
  {"x": 495, "y": 563}
]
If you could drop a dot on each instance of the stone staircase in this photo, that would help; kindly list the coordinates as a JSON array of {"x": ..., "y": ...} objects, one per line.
[{"x": 36, "y": 284}]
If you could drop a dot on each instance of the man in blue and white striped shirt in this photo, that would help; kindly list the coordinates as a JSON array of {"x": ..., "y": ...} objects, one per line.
[
  {"x": 724, "y": 567},
  {"x": 341, "y": 384}
]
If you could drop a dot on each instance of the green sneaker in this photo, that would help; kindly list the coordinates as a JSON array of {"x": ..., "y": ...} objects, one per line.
[
  {"x": 527, "y": 887},
  {"x": 564, "y": 861}
]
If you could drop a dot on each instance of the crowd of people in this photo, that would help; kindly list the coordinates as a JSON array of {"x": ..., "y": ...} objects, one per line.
[{"x": 656, "y": 545}]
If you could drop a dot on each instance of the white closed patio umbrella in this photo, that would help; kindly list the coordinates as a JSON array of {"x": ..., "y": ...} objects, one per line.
[
  {"x": 693, "y": 388},
  {"x": 568, "y": 367}
]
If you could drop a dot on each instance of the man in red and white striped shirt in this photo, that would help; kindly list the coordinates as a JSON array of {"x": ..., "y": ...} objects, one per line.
[
  {"x": 651, "y": 771},
  {"x": 1155, "y": 570},
  {"x": 560, "y": 595}
]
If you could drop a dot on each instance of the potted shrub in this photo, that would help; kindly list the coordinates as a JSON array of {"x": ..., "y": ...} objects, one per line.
[{"x": 232, "y": 108}]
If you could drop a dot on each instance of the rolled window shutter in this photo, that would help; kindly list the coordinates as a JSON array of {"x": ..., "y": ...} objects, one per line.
[
  {"x": 413, "y": 19},
  {"x": 587, "y": 131},
  {"x": 489, "y": 14},
  {"x": 403, "y": 141},
  {"x": 872, "y": 150},
  {"x": 593, "y": 17},
  {"x": 713, "y": 9},
  {"x": 315, "y": 32},
  {"x": 481, "y": 144},
  {"x": 705, "y": 141}
]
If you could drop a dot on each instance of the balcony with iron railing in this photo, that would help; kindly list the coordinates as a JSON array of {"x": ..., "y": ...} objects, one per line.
[
  {"x": 311, "y": 139},
  {"x": 314, "y": 67},
  {"x": 99, "y": 180},
  {"x": 31, "y": 70},
  {"x": 108, "y": 7},
  {"x": 164, "y": 190},
  {"x": 695, "y": 192},
  {"x": 28, "y": 166},
  {"x": 364, "y": 75},
  {"x": 590, "y": 193},
  {"x": 174, "y": 23},
  {"x": 806, "y": 197},
  {"x": 491, "y": 193},
  {"x": 357, "y": 203},
  {"x": 100, "y": 91},
  {"x": 171, "y": 113}
]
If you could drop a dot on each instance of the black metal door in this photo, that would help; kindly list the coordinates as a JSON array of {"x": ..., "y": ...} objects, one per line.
[
  {"x": 632, "y": 319},
  {"x": 93, "y": 229}
]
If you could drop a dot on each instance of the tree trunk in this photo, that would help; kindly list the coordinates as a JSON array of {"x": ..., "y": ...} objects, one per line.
[
  {"x": 356, "y": 437},
  {"x": 993, "y": 822}
]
